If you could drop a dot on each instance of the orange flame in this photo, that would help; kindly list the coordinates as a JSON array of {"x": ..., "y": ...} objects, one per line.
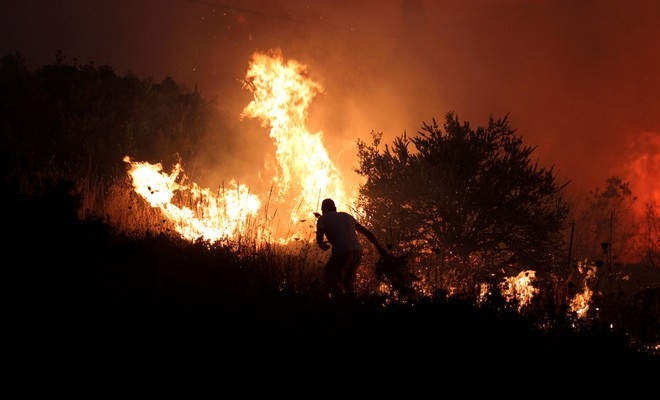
[
  {"x": 519, "y": 288},
  {"x": 282, "y": 94},
  {"x": 216, "y": 215},
  {"x": 305, "y": 173},
  {"x": 580, "y": 303}
]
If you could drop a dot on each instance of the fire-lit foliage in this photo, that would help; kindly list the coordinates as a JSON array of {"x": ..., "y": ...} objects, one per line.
[{"x": 472, "y": 196}]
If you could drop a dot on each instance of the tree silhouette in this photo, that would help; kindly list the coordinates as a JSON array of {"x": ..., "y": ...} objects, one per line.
[
  {"x": 650, "y": 242},
  {"x": 80, "y": 120},
  {"x": 608, "y": 219},
  {"x": 472, "y": 196}
]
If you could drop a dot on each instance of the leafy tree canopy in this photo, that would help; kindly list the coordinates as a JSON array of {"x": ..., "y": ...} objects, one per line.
[{"x": 472, "y": 195}]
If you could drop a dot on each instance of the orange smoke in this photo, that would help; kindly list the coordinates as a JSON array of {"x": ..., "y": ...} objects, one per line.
[{"x": 643, "y": 169}]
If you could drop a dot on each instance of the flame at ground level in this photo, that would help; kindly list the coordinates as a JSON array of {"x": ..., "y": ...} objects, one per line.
[{"x": 211, "y": 215}]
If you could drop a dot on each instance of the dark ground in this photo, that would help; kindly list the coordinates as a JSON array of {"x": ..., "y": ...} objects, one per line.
[{"x": 82, "y": 299}]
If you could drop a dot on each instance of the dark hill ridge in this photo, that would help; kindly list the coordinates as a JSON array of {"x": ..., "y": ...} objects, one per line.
[{"x": 78, "y": 289}]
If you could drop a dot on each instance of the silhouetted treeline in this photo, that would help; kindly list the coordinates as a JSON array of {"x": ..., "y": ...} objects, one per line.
[{"x": 81, "y": 120}]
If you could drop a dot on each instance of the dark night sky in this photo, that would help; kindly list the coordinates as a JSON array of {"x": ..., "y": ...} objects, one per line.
[{"x": 580, "y": 79}]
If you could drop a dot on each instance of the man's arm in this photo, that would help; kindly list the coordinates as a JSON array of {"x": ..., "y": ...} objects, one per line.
[{"x": 372, "y": 238}]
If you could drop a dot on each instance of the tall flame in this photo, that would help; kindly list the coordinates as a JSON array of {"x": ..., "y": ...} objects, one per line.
[
  {"x": 282, "y": 95},
  {"x": 305, "y": 174}
]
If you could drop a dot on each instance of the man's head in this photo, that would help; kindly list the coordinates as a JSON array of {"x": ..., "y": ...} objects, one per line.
[{"x": 328, "y": 205}]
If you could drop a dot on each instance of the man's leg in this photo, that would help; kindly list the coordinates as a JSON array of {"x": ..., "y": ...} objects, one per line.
[
  {"x": 335, "y": 273},
  {"x": 353, "y": 263},
  {"x": 333, "y": 277}
]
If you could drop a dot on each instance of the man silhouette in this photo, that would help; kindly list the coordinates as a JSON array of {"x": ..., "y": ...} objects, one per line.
[{"x": 340, "y": 229}]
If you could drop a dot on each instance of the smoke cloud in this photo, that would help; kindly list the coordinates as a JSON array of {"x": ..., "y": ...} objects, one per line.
[{"x": 580, "y": 81}]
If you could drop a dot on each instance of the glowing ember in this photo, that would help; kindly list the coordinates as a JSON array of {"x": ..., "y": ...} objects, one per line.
[{"x": 305, "y": 174}]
